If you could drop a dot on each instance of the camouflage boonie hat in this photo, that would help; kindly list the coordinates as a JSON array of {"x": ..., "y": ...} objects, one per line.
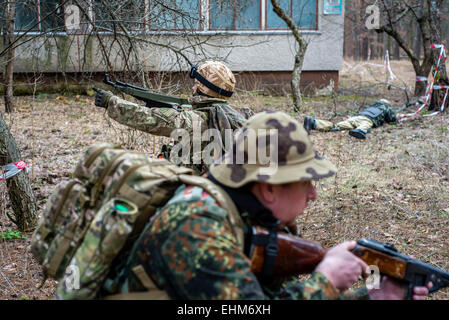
[
  {"x": 296, "y": 158},
  {"x": 219, "y": 75}
]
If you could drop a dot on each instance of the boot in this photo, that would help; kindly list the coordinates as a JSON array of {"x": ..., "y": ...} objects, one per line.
[
  {"x": 358, "y": 133},
  {"x": 309, "y": 124}
]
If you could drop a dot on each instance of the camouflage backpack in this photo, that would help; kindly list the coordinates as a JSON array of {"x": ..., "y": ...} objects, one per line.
[{"x": 96, "y": 216}]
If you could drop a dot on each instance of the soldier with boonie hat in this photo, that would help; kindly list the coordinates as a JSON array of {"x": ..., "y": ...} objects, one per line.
[{"x": 198, "y": 246}]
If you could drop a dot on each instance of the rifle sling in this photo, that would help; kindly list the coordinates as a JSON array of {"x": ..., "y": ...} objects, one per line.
[{"x": 271, "y": 250}]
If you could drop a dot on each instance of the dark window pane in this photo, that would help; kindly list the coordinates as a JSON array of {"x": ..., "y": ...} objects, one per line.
[
  {"x": 162, "y": 17},
  {"x": 55, "y": 20},
  {"x": 304, "y": 13},
  {"x": 102, "y": 14},
  {"x": 273, "y": 21},
  {"x": 132, "y": 13},
  {"x": 248, "y": 14},
  {"x": 114, "y": 12},
  {"x": 188, "y": 15},
  {"x": 235, "y": 15},
  {"x": 222, "y": 14},
  {"x": 26, "y": 15},
  {"x": 174, "y": 15}
]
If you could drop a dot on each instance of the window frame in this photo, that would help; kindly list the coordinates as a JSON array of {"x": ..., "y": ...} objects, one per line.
[
  {"x": 38, "y": 24},
  {"x": 204, "y": 25}
]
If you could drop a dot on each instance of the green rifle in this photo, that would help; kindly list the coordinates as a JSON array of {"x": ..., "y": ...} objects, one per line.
[{"x": 152, "y": 99}]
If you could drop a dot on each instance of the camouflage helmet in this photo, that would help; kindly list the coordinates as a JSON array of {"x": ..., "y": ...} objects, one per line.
[
  {"x": 214, "y": 79},
  {"x": 278, "y": 134}
]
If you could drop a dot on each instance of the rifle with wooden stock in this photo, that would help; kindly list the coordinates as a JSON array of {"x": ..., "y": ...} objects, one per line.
[{"x": 298, "y": 256}]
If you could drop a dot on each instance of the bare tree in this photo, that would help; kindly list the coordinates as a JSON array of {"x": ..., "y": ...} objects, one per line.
[
  {"x": 7, "y": 30},
  {"x": 299, "y": 56},
  {"x": 427, "y": 15},
  {"x": 19, "y": 187},
  {"x": 126, "y": 34},
  {"x": 142, "y": 37}
]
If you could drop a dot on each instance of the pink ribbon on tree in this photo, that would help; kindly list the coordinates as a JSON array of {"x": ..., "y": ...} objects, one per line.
[{"x": 11, "y": 169}]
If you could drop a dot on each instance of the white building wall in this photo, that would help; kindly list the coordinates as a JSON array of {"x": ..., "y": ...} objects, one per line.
[{"x": 242, "y": 51}]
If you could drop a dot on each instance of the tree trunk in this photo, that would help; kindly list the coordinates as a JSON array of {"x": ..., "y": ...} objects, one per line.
[
  {"x": 8, "y": 39},
  {"x": 436, "y": 38},
  {"x": 365, "y": 45},
  {"x": 299, "y": 57},
  {"x": 19, "y": 187},
  {"x": 435, "y": 34},
  {"x": 418, "y": 42},
  {"x": 396, "y": 52}
]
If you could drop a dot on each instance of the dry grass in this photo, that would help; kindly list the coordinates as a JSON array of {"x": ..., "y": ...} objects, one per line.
[{"x": 392, "y": 187}]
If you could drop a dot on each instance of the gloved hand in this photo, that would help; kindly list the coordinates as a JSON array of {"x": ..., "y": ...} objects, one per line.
[{"x": 102, "y": 98}]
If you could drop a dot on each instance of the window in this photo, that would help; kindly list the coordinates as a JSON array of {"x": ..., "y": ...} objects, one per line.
[
  {"x": 51, "y": 15},
  {"x": 303, "y": 13},
  {"x": 26, "y": 15},
  {"x": 235, "y": 15},
  {"x": 48, "y": 13},
  {"x": 159, "y": 15},
  {"x": 175, "y": 15},
  {"x": 130, "y": 12}
]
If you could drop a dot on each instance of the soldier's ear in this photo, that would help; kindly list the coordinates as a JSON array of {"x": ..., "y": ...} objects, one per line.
[{"x": 267, "y": 193}]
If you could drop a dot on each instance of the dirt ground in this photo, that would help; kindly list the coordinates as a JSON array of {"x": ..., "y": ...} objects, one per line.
[{"x": 392, "y": 187}]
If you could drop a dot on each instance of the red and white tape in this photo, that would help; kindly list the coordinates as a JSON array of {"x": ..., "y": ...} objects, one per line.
[
  {"x": 11, "y": 169},
  {"x": 421, "y": 79},
  {"x": 444, "y": 100},
  {"x": 388, "y": 67},
  {"x": 430, "y": 86},
  {"x": 440, "y": 87}
]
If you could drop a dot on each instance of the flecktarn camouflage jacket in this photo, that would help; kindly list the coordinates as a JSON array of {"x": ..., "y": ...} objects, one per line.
[{"x": 188, "y": 251}]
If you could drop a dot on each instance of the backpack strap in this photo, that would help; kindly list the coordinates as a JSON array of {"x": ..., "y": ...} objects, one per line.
[
  {"x": 153, "y": 292},
  {"x": 223, "y": 199},
  {"x": 233, "y": 218}
]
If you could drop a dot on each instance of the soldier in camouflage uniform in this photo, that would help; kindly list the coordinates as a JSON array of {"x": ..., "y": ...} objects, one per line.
[
  {"x": 214, "y": 83},
  {"x": 373, "y": 116},
  {"x": 190, "y": 251}
]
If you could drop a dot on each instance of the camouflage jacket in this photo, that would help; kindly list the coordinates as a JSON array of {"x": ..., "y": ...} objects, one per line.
[
  {"x": 188, "y": 251},
  {"x": 379, "y": 113},
  {"x": 209, "y": 112},
  {"x": 206, "y": 113}
]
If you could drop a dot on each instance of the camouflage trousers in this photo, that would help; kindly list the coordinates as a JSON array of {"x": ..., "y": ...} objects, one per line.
[{"x": 357, "y": 122}]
